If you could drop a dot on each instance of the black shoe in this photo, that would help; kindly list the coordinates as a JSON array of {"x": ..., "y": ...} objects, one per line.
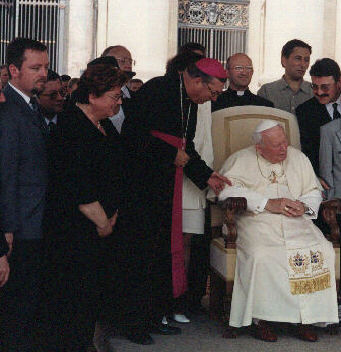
[
  {"x": 166, "y": 329},
  {"x": 140, "y": 338}
]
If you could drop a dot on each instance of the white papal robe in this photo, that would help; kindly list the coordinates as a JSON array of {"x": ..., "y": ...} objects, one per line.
[{"x": 266, "y": 284}]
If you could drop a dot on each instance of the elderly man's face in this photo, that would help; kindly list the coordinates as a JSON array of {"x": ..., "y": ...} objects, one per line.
[
  {"x": 274, "y": 145},
  {"x": 123, "y": 58}
]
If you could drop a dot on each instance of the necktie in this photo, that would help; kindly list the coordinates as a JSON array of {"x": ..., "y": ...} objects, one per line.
[
  {"x": 34, "y": 104},
  {"x": 336, "y": 114},
  {"x": 51, "y": 127}
]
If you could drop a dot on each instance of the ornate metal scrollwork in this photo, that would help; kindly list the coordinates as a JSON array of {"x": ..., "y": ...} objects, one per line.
[{"x": 220, "y": 13}]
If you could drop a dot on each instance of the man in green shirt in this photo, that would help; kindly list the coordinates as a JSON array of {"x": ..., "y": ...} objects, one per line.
[{"x": 291, "y": 90}]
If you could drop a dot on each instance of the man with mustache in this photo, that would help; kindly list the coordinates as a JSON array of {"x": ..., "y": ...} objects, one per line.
[
  {"x": 319, "y": 110},
  {"x": 23, "y": 170},
  {"x": 291, "y": 90}
]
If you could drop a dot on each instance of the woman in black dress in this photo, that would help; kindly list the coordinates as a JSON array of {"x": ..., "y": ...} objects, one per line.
[{"x": 88, "y": 172}]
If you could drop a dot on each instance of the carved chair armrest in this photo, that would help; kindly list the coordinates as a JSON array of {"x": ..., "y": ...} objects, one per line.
[
  {"x": 232, "y": 206},
  {"x": 329, "y": 209}
]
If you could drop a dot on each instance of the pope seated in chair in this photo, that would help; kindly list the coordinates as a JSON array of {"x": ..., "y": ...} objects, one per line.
[{"x": 285, "y": 266}]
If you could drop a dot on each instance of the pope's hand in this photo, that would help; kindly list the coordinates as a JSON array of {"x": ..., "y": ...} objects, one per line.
[
  {"x": 285, "y": 206},
  {"x": 218, "y": 182}
]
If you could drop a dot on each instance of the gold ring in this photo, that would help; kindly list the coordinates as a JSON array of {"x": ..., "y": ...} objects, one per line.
[{"x": 286, "y": 208}]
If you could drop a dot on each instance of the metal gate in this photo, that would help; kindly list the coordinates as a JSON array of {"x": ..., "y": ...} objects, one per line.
[
  {"x": 221, "y": 26},
  {"x": 42, "y": 20}
]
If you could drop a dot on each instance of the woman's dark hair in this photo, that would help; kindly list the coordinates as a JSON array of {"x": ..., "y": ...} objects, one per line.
[{"x": 96, "y": 80}]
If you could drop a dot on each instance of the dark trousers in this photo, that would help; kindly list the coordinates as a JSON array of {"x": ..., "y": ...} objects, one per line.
[
  {"x": 20, "y": 297},
  {"x": 198, "y": 268},
  {"x": 324, "y": 227},
  {"x": 72, "y": 295}
]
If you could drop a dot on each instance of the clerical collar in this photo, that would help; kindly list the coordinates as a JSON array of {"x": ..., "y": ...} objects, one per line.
[{"x": 239, "y": 93}]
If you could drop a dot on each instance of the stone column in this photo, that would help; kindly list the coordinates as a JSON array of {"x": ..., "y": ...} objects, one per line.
[
  {"x": 286, "y": 20},
  {"x": 338, "y": 33},
  {"x": 255, "y": 44},
  {"x": 143, "y": 27},
  {"x": 80, "y": 36}
]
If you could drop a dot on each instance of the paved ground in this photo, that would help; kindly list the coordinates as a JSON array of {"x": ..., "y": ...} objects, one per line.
[{"x": 203, "y": 334}]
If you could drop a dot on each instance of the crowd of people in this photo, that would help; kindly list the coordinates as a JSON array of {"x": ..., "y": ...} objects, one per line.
[{"x": 103, "y": 197}]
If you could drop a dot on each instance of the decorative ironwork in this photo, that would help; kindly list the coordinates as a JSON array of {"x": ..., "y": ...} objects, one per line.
[
  {"x": 217, "y": 14},
  {"x": 37, "y": 19}
]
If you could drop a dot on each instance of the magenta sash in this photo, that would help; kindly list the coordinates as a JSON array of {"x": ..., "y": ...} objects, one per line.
[{"x": 179, "y": 278}]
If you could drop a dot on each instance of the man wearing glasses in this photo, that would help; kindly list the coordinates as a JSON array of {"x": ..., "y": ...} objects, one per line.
[
  {"x": 319, "y": 110},
  {"x": 291, "y": 90},
  {"x": 239, "y": 74},
  {"x": 51, "y": 99},
  {"x": 125, "y": 63}
]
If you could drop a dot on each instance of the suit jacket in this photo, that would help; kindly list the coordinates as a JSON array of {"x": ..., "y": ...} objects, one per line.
[
  {"x": 311, "y": 115},
  {"x": 23, "y": 167},
  {"x": 230, "y": 98},
  {"x": 330, "y": 157}
]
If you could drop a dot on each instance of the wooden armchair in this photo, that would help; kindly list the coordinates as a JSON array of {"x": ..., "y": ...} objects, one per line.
[{"x": 231, "y": 131}]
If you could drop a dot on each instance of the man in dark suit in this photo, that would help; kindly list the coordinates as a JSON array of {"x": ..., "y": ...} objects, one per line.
[
  {"x": 319, "y": 110},
  {"x": 23, "y": 172},
  {"x": 239, "y": 73}
]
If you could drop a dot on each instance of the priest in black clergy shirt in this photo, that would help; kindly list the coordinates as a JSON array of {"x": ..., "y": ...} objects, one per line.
[
  {"x": 239, "y": 73},
  {"x": 159, "y": 139}
]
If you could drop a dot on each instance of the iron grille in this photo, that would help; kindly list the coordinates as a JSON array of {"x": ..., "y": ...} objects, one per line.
[
  {"x": 221, "y": 26},
  {"x": 42, "y": 20}
]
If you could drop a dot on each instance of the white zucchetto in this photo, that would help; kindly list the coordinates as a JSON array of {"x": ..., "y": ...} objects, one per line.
[{"x": 266, "y": 125}]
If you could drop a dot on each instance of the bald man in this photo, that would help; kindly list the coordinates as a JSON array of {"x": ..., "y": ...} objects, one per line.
[
  {"x": 239, "y": 73},
  {"x": 125, "y": 62}
]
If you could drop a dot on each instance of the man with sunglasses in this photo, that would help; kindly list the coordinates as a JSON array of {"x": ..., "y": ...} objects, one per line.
[
  {"x": 51, "y": 99},
  {"x": 239, "y": 74},
  {"x": 319, "y": 110}
]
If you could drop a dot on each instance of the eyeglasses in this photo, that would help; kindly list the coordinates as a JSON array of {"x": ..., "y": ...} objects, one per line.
[
  {"x": 214, "y": 93},
  {"x": 243, "y": 68},
  {"x": 116, "y": 97},
  {"x": 125, "y": 60},
  {"x": 54, "y": 95},
  {"x": 324, "y": 87}
]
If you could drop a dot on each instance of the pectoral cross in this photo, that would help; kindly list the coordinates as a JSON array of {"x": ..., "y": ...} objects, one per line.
[{"x": 273, "y": 177}]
